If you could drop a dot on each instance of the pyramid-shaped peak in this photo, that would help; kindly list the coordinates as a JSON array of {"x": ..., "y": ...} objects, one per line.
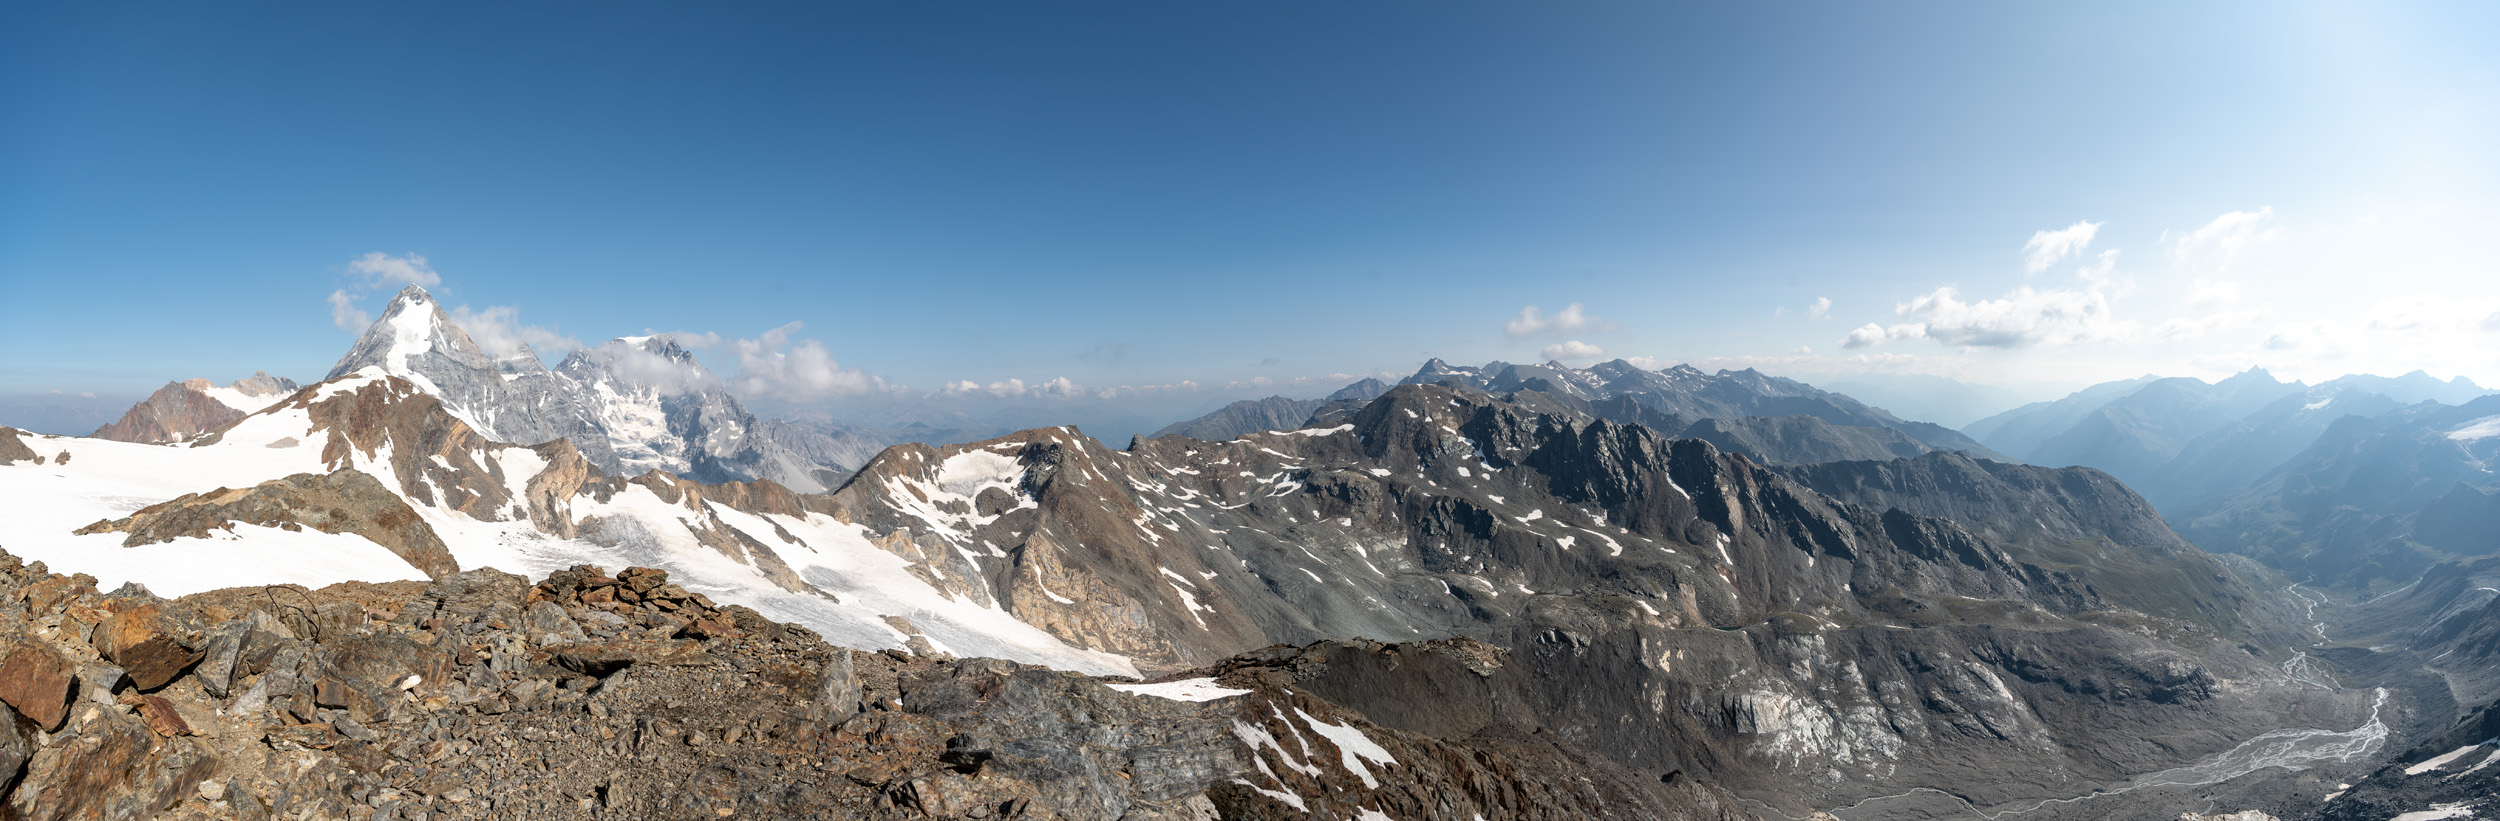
[{"x": 413, "y": 337}]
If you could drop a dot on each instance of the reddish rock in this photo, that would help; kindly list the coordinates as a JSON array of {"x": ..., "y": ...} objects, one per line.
[
  {"x": 138, "y": 640},
  {"x": 709, "y": 629},
  {"x": 35, "y": 679},
  {"x": 160, "y": 714}
]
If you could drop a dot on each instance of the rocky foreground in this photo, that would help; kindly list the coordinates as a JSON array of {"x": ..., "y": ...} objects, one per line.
[{"x": 480, "y": 695}]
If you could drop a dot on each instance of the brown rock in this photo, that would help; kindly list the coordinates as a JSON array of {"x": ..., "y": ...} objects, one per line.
[
  {"x": 112, "y": 768},
  {"x": 48, "y": 594},
  {"x": 139, "y": 640},
  {"x": 343, "y": 501},
  {"x": 642, "y": 580},
  {"x": 35, "y": 679},
  {"x": 13, "y": 446},
  {"x": 709, "y": 629},
  {"x": 160, "y": 715}
]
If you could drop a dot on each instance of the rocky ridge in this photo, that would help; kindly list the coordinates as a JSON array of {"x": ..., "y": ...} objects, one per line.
[
  {"x": 1654, "y": 584},
  {"x": 479, "y": 695}
]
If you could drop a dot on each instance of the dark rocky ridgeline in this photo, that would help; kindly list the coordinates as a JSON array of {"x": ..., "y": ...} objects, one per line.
[
  {"x": 480, "y": 695},
  {"x": 1683, "y": 391},
  {"x": 2078, "y": 521},
  {"x": 1673, "y": 608},
  {"x": 1801, "y": 439}
]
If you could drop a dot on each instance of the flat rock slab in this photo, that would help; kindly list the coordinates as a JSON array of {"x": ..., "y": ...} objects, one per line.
[
  {"x": 602, "y": 658},
  {"x": 35, "y": 679}
]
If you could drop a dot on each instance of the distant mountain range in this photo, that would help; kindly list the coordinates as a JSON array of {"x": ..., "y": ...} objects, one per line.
[
  {"x": 2360, "y": 480},
  {"x": 1706, "y": 595},
  {"x": 1769, "y": 418},
  {"x": 1272, "y": 413}
]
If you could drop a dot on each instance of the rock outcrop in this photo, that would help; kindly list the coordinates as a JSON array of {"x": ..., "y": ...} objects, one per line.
[{"x": 345, "y": 501}]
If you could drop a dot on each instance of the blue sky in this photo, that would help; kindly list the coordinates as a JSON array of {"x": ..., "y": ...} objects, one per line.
[{"x": 1146, "y": 194}]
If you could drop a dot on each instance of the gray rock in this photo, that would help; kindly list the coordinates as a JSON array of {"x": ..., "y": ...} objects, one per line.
[
  {"x": 545, "y": 623},
  {"x": 97, "y": 682}
]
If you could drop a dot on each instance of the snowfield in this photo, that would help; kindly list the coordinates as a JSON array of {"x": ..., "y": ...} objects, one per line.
[{"x": 850, "y": 584}]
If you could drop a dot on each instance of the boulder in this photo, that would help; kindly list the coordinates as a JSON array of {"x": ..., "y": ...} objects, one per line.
[
  {"x": 15, "y": 749},
  {"x": 110, "y": 766},
  {"x": 98, "y": 681},
  {"x": 142, "y": 641},
  {"x": 35, "y": 679},
  {"x": 369, "y": 675}
]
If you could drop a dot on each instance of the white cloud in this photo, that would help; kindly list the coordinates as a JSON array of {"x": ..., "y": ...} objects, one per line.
[
  {"x": 2047, "y": 247},
  {"x": 2207, "y": 294},
  {"x": 643, "y": 367},
  {"x": 2226, "y": 236},
  {"x": 498, "y": 331},
  {"x": 1867, "y": 334},
  {"x": 1574, "y": 351},
  {"x": 380, "y": 270},
  {"x": 1822, "y": 308},
  {"x": 2023, "y": 318},
  {"x": 775, "y": 366},
  {"x": 345, "y": 314},
  {"x": 2438, "y": 332},
  {"x": 369, "y": 272},
  {"x": 2186, "y": 327},
  {"x": 1056, "y": 388},
  {"x": 1572, "y": 319}
]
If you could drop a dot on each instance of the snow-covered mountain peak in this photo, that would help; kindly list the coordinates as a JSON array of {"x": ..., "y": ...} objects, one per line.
[{"x": 414, "y": 338}]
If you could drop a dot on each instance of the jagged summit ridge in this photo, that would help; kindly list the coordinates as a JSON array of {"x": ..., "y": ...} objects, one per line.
[
  {"x": 413, "y": 336},
  {"x": 631, "y": 405}
]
